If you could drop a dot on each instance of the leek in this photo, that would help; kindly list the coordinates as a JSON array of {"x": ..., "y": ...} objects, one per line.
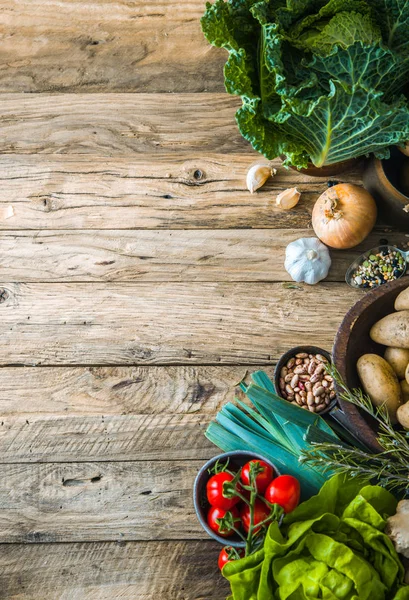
[{"x": 274, "y": 428}]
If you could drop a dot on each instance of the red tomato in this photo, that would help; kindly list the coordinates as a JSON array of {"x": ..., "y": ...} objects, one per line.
[
  {"x": 214, "y": 489},
  {"x": 263, "y": 479},
  {"x": 218, "y": 513},
  {"x": 228, "y": 555},
  {"x": 285, "y": 491},
  {"x": 261, "y": 512}
]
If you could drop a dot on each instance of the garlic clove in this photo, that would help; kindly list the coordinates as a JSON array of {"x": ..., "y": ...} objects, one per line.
[
  {"x": 288, "y": 199},
  {"x": 257, "y": 175}
]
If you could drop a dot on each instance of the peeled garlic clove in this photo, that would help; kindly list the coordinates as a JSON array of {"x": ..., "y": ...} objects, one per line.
[
  {"x": 288, "y": 199},
  {"x": 257, "y": 175}
]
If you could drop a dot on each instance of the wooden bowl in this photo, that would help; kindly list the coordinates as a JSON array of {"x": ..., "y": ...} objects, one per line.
[
  {"x": 352, "y": 341},
  {"x": 388, "y": 182}
]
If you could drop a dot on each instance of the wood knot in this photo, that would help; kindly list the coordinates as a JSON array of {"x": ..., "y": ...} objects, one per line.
[
  {"x": 198, "y": 175},
  {"x": 4, "y": 295}
]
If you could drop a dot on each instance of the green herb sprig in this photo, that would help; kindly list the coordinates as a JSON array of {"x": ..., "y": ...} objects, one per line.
[{"x": 390, "y": 467}]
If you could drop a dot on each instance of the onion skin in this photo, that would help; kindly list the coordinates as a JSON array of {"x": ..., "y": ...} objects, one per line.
[{"x": 344, "y": 215}]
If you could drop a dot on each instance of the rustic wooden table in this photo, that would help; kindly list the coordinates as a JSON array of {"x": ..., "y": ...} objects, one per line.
[{"x": 140, "y": 280}]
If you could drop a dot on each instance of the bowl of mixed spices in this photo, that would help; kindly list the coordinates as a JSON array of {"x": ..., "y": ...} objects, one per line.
[{"x": 377, "y": 266}]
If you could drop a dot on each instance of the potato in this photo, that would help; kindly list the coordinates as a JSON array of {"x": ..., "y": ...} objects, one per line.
[
  {"x": 404, "y": 386},
  {"x": 398, "y": 358},
  {"x": 392, "y": 330},
  {"x": 402, "y": 301},
  {"x": 403, "y": 415},
  {"x": 380, "y": 382}
]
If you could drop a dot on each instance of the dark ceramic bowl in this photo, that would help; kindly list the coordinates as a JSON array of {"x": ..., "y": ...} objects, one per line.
[
  {"x": 352, "y": 341},
  {"x": 290, "y": 354},
  {"x": 388, "y": 182},
  {"x": 237, "y": 459}
]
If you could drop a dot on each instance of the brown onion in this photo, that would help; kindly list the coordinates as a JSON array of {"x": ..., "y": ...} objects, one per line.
[{"x": 344, "y": 215}]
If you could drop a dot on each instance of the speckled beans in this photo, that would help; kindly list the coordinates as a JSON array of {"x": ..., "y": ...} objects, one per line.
[{"x": 305, "y": 382}]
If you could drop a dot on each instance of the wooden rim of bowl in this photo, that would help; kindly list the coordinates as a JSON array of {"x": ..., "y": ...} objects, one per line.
[
  {"x": 361, "y": 427},
  {"x": 380, "y": 171}
]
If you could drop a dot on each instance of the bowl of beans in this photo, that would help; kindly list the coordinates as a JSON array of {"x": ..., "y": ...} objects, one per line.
[
  {"x": 377, "y": 266},
  {"x": 301, "y": 377}
]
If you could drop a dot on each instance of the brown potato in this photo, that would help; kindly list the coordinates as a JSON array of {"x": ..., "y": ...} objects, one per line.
[
  {"x": 404, "y": 386},
  {"x": 392, "y": 330},
  {"x": 380, "y": 382},
  {"x": 398, "y": 358},
  {"x": 402, "y": 301},
  {"x": 403, "y": 415}
]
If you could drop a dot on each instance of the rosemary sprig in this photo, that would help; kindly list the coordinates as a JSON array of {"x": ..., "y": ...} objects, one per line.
[{"x": 390, "y": 467}]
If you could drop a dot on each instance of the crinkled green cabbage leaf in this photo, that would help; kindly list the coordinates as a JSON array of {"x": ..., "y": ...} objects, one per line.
[
  {"x": 321, "y": 81},
  {"x": 332, "y": 547}
]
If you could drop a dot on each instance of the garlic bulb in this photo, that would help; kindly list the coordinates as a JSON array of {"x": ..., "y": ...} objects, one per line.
[
  {"x": 288, "y": 199},
  {"x": 308, "y": 260},
  {"x": 257, "y": 175}
]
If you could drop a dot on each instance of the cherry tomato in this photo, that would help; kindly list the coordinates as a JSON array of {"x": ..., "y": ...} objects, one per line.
[
  {"x": 263, "y": 479},
  {"x": 285, "y": 491},
  {"x": 214, "y": 489},
  {"x": 228, "y": 554},
  {"x": 261, "y": 512},
  {"x": 218, "y": 513}
]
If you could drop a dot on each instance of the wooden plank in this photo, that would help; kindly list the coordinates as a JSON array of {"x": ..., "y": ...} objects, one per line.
[
  {"x": 169, "y": 323},
  {"x": 114, "y": 438},
  {"x": 176, "y": 570},
  {"x": 119, "y": 124},
  {"x": 152, "y": 256},
  {"x": 174, "y": 191},
  {"x": 34, "y": 392},
  {"x": 100, "y": 414},
  {"x": 98, "y": 45},
  {"x": 98, "y": 502}
]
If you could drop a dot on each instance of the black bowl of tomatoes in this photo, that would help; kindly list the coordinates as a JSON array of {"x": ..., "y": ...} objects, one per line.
[{"x": 227, "y": 519}]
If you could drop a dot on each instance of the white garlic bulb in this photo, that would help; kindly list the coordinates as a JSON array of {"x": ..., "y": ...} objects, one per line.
[{"x": 308, "y": 260}]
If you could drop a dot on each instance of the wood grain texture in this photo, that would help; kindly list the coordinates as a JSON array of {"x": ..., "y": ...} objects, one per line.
[
  {"x": 119, "y": 124},
  {"x": 183, "y": 570},
  {"x": 34, "y": 392},
  {"x": 99, "y": 45},
  {"x": 98, "y": 502},
  {"x": 163, "y": 255},
  {"x": 107, "y": 324},
  {"x": 113, "y": 413},
  {"x": 104, "y": 438},
  {"x": 178, "y": 190}
]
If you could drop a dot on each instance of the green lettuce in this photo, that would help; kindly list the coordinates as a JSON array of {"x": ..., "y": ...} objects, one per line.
[
  {"x": 321, "y": 81},
  {"x": 332, "y": 547}
]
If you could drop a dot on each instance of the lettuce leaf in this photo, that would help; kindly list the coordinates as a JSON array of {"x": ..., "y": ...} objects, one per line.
[
  {"x": 332, "y": 546},
  {"x": 321, "y": 81}
]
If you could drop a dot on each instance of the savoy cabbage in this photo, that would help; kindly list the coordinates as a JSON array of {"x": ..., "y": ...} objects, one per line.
[{"x": 321, "y": 81}]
